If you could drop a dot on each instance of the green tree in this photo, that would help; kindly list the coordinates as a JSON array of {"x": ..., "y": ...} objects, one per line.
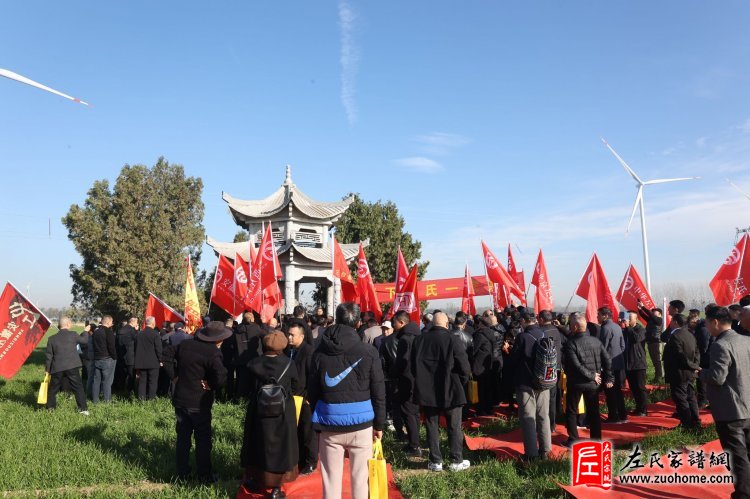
[{"x": 134, "y": 239}]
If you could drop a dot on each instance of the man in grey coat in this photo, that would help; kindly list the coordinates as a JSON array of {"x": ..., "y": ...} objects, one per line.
[
  {"x": 63, "y": 361},
  {"x": 727, "y": 382},
  {"x": 611, "y": 337}
]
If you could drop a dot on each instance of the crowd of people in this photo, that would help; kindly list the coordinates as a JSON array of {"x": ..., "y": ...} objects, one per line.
[{"x": 317, "y": 389}]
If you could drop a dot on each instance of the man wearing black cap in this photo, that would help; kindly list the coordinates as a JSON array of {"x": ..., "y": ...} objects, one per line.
[{"x": 196, "y": 370}]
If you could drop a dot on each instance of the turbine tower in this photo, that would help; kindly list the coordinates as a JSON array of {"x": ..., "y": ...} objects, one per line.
[
  {"x": 17, "y": 77},
  {"x": 639, "y": 203}
]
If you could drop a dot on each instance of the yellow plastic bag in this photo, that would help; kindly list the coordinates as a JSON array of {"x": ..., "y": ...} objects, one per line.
[
  {"x": 41, "y": 399},
  {"x": 298, "y": 405},
  {"x": 378, "y": 472},
  {"x": 564, "y": 386},
  {"x": 472, "y": 392}
]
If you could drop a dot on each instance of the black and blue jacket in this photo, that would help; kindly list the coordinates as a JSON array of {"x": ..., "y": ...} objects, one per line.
[{"x": 346, "y": 388}]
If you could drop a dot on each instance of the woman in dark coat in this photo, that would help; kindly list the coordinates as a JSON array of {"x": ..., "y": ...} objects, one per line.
[{"x": 270, "y": 451}]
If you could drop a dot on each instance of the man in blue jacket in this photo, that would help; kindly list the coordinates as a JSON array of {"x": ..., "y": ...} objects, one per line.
[
  {"x": 610, "y": 334},
  {"x": 347, "y": 391}
]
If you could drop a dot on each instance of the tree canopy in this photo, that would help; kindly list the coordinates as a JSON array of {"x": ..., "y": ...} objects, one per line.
[
  {"x": 134, "y": 239},
  {"x": 384, "y": 226}
]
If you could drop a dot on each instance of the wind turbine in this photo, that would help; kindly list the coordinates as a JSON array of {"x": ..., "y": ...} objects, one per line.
[
  {"x": 738, "y": 189},
  {"x": 17, "y": 77},
  {"x": 747, "y": 229},
  {"x": 639, "y": 202}
]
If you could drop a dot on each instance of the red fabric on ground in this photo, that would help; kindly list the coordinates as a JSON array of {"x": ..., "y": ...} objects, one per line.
[
  {"x": 662, "y": 491},
  {"x": 311, "y": 487},
  {"x": 510, "y": 445}
]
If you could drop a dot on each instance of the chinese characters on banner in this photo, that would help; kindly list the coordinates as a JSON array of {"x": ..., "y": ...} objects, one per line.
[
  {"x": 592, "y": 464},
  {"x": 22, "y": 326},
  {"x": 435, "y": 289}
]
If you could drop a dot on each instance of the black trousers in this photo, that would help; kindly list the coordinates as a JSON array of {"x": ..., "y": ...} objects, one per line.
[
  {"x": 591, "y": 401},
  {"x": 455, "y": 433},
  {"x": 735, "y": 439},
  {"x": 637, "y": 384},
  {"x": 243, "y": 383},
  {"x": 148, "y": 382},
  {"x": 189, "y": 422},
  {"x": 555, "y": 400},
  {"x": 307, "y": 438},
  {"x": 410, "y": 414},
  {"x": 73, "y": 376},
  {"x": 683, "y": 395},
  {"x": 390, "y": 394},
  {"x": 615, "y": 398},
  {"x": 487, "y": 382},
  {"x": 700, "y": 387},
  {"x": 231, "y": 385}
]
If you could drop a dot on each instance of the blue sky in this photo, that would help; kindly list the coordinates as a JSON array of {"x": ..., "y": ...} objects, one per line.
[{"x": 479, "y": 119}]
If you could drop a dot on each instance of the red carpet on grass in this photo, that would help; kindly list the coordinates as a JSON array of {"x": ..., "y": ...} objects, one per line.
[
  {"x": 311, "y": 487},
  {"x": 510, "y": 445},
  {"x": 662, "y": 491}
]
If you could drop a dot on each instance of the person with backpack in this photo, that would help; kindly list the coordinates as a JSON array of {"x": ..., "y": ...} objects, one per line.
[
  {"x": 270, "y": 452},
  {"x": 534, "y": 362}
]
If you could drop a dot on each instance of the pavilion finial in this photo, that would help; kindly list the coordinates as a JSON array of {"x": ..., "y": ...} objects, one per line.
[{"x": 288, "y": 180}]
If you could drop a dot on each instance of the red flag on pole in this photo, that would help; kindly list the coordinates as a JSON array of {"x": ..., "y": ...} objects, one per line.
[
  {"x": 193, "y": 319},
  {"x": 162, "y": 312},
  {"x": 22, "y": 327},
  {"x": 341, "y": 271},
  {"x": 514, "y": 272},
  {"x": 222, "y": 294},
  {"x": 241, "y": 270},
  {"x": 368, "y": 297},
  {"x": 263, "y": 274},
  {"x": 540, "y": 279},
  {"x": 731, "y": 280},
  {"x": 408, "y": 298},
  {"x": 497, "y": 273},
  {"x": 272, "y": 295},
  {"x": 594, "y": 288},
  {"x": 402, "y": 271},
  {"x": 467, "y": 301},
  {"x": 632, "y": 290}
]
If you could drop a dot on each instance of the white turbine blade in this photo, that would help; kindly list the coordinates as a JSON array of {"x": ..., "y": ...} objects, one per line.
[
  {"x": 17, "y": 77},
  {"x": 738, "y": 189},
  {"x": 622, "y": 162},
  {"x": 638, "y": 199},
  {"x": 665, "y": 180}
]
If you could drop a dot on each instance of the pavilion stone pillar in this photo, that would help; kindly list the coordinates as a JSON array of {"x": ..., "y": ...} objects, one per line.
[
  {"x": 289, "y": 289},
  {"x": 329, "y": 296}
]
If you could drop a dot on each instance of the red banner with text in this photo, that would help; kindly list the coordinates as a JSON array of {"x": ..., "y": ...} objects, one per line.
[
  {"x": 22, "y": 326},
  {"x": 435, "y": 289}
]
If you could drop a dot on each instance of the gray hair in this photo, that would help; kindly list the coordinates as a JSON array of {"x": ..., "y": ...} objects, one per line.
[
  {"x": 150, "y": 321},
  {"x": 64, "y": 322},
  {"x": 578, "y": 318}
]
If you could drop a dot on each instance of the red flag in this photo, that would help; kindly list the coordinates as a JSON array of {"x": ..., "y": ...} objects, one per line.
[
  {"x": 402, "y": 271},
  {"x": 467, "y": 301},
  {"x": 193, "y": 319},
  {"x": 540, "y": 279},
  {"x": 594, "y": 288},
  {"x": 632, "y": 290},
  {"x": 731, "y": 281},
  {"x": 341, "y": 271},
  {"x": 22, "y": 327},
  {"x": 272, "y": 295},
  {"x": 222, "y": 294},
  {"x": 160, "y": 311},
  {"x": 263, "y": 275},
  {"x": 368, "y": 297},
  {"x": 514, "y": 272},
  {"x": 497, "y": 273},
  {"x": 240, "y": 282},
  {"x": 408, "y": 298}
]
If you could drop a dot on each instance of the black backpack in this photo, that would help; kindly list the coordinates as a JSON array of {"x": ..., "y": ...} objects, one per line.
[
  {"x": 545, "y": 363},
  {"x": 271, "y": 398}
]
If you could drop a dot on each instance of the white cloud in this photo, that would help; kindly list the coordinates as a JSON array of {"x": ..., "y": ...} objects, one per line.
[
  {"x": 701, "y": 141},
  {"x": 440, "y": 143},
  {"x": 745, "y": 127},
  {"x": 349, "y": 60},
  {"x": 420, "y": 164}
]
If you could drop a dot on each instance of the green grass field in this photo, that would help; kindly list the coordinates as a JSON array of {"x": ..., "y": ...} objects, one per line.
[{"x": 126, "y": 449}]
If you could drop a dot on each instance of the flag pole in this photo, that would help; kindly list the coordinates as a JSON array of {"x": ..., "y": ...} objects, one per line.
[
  {"x": 739, "y": 267},
  {"x": 491, "y": 285}
]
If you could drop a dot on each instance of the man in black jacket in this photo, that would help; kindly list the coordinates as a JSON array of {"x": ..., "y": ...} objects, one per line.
[
  {"x": 635, "y": 362},
  {"x": 587, "y": 366},
  {"x": 441, "y": 369},
  {"x": 610, "y": 334},
  {"x": 126, "y": 353},
  {"x": 485, "y": 368},
  {"x": 533, "y": 403},
  {"x": 148, "y": 350},
  {"x": 63, "y": 362},
  {"x": 248, "y": 337},
  {"x": 555, "y": 394},
  {"x": 406, "y": 332},
  {"x": 703, "y": 341},
  {"x": 196, "y": 370},
  {"x": 105, "y": 355},
  {"x": 347, "y": 393},
  {"x": 301, "y": 352},
  {"x": 654, "y": 326},
  {"x": 681, "y": 366}
]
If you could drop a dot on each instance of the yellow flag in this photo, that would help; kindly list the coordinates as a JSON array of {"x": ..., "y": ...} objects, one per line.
[{"x": 192, "y": 307}]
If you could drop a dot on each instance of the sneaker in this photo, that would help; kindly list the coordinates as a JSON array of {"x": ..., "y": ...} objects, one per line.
[
  {"x": 390, "y": 427},
  {"x": 568, "y": 443},
  {"x": 413, "y": 451},
  {"x": 622, "y": 421},
  {"x": 435, "y": 466},
  {"x": 84, "y": 413},
  {"x": 463, "y": 465}
]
